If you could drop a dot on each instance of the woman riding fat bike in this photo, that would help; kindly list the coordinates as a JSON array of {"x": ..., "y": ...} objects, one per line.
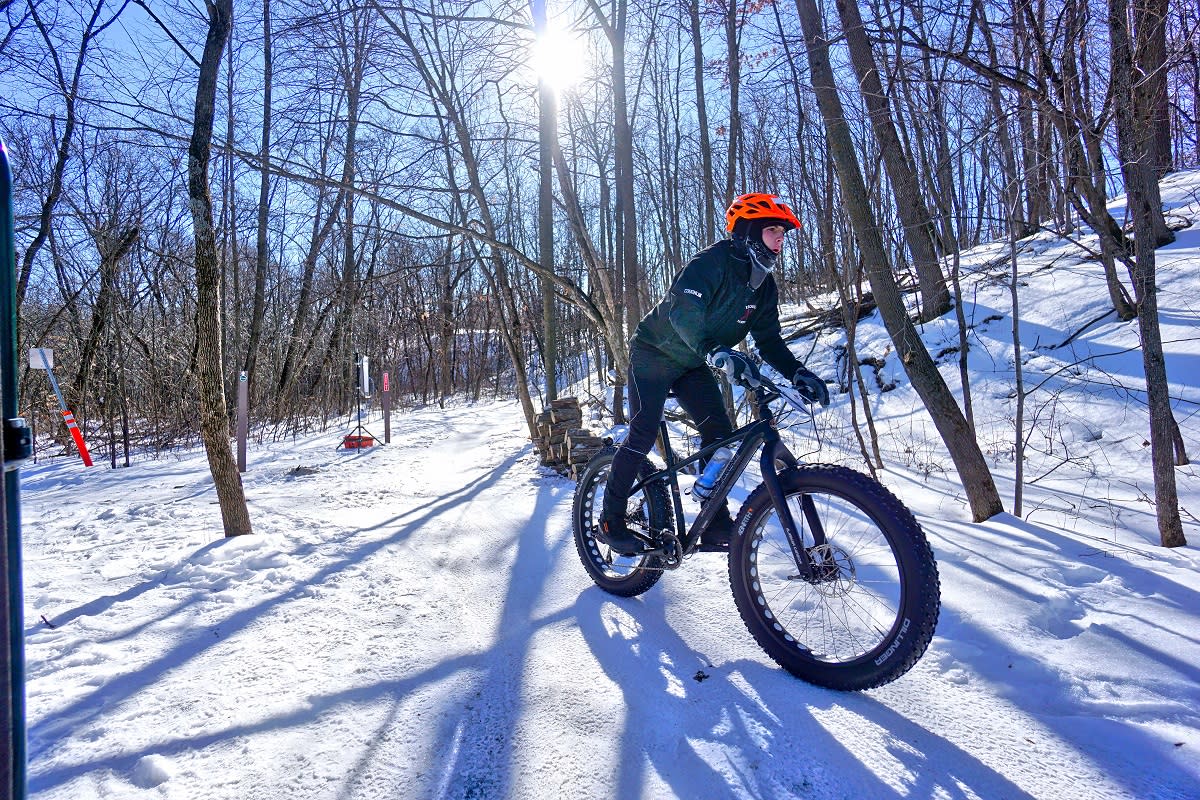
[
  {"x": 726, "y": 292},
  {"x": 831, "y": 574}
]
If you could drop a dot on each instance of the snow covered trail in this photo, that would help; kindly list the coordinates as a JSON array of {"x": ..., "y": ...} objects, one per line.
[{"x": 412, "y": 621}]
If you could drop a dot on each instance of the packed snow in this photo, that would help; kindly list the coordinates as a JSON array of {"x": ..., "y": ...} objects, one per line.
[{"x": 412, "y": 620}]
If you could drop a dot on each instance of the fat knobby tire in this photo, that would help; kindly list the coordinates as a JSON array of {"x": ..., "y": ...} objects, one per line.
[
  {"x": 624, "y": 576},
  {"x": 782, "y": 610}
]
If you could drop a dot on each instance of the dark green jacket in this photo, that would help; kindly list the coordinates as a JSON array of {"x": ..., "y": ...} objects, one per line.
[{"x": 712, "y": 304}]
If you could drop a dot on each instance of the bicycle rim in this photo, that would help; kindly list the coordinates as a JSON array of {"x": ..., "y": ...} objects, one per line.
[
  {"x": 611, "y": 571},
  {"x": 870, "y": 613}
]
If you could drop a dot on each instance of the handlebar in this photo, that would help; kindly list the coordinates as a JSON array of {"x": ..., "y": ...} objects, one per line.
[{"x": 766, "y": 390}]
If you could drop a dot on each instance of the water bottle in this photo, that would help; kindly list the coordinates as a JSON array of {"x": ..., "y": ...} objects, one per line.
[{"x": 705, "y": 483}]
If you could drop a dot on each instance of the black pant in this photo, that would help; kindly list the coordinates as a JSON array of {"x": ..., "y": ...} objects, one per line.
[{"x": 651, "y": 376}]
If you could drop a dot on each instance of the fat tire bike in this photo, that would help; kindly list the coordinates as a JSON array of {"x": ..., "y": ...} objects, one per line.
[{"x": 830, "y": 572}]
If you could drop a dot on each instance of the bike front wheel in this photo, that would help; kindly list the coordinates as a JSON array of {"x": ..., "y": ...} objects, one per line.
[
  {"x": 649, "y": 510},
  {"x": 868, "y": 612}
]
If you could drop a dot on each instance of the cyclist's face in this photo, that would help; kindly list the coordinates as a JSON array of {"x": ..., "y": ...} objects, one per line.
[{"x": 773, "y": 237}]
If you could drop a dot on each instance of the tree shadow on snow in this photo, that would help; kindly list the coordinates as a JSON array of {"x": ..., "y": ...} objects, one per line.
[
  {"x": 748, "y": 729},
  {"x": 89, "y": 706},
  {"x": 1092, "y": 723}
]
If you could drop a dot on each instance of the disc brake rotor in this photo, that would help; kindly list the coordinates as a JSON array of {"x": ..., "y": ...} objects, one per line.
[{"x": 834, "y": 574}]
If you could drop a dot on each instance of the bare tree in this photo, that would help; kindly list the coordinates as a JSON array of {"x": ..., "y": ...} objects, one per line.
[
  {"x": 615, "y": 27},
  {"x": 922, "y": 371},
  {"x": 1018, "y": 376},
  {"x": 1052, "y": 76},
  {"x": 214, "y": 417},
  {"x": 733, "y": 66},
  {"x": 262, "y": 249},
  {"x": 547, "y": 130},
  {"x": 68, "y": 85},
  {"x": 460, "y": 147},
  {"x": 707, "y": 185},
  {"x": 319, "y": 127},
  {"x": 606, "y": 300},
  {"x": 1135, "y": 110},
  {"x": 910, "y": 203},
  {"x": 1183, "y": 84},
  {"x": 13, "y": 25},
  {"x": 114, "y": 231},
  {"x": 1153, "y": 48}
]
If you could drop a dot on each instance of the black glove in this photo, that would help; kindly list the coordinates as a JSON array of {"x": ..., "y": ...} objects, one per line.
[
  {"x": 810, "y": 387},
  {"x": 736, "y": 366}
]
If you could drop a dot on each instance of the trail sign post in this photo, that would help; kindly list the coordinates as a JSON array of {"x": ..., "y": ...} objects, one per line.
[
  {"x": 386, "y": 397},
  {"x": 243, "y": 418},
  {"x": 43, "y": 358}
]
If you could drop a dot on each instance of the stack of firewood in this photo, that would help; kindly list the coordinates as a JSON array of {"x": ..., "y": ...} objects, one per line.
[{"x": 565, "y": 445}]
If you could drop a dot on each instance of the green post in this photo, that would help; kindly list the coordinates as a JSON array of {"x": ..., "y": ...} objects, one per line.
[{"x": 16, "y": 448}]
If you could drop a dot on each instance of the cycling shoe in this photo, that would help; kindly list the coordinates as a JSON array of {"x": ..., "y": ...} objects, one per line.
[{"x": 613, "y": 532}]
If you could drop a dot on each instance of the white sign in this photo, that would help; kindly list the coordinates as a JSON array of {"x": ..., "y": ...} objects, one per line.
[{"x": 41, "y": 358}]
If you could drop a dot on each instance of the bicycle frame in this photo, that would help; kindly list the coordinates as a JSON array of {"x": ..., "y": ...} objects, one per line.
[{"x": 749, "y": 438}]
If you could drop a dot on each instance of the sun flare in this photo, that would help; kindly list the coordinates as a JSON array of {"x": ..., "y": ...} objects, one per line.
[{"x": 558, "y": 59}]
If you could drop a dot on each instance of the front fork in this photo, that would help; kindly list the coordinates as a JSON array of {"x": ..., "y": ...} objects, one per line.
[{"x": 775, "y": 451}]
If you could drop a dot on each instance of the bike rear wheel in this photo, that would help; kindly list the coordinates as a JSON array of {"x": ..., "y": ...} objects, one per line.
[
  {"x": 649, "y": 509},
  {"x": 869, "y": 613}
]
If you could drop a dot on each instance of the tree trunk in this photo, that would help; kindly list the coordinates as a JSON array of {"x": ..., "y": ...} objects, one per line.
[
  {"x": 623, "y": 157},
  {"x": 547, "y": 129},
  {"x": 214, "y": 417},
  {"x": 1135, "y": 134},
  {"x": 1154, "y": 43},
  {"x": 733, "y": 60},
  {"x": 1034, "y": 148},
  {"x": 707, "y": 188},
  {"x": 231, "y": 280},
  {"x": 1019, "y": 379},
  {"x": 910, "y": 204},
  {"x": 1150, "y": 93},
  {"x": 922, "y": 371},
  {"x": 262, "y": 251}
]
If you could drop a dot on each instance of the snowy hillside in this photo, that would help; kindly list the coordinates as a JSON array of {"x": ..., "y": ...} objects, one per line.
[{"x": 412, "y": 620}]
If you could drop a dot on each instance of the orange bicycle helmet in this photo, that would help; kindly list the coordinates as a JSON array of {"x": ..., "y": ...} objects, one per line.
[{"x": 756, "y": 206}]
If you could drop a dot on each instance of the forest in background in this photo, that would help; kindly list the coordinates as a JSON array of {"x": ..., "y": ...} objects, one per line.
[{"x": 274, "y": 187}]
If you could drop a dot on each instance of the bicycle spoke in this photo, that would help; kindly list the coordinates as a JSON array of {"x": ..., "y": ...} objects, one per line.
[
  {"x": 850, "y": 610},
  {"x": 647, "y": 509}
]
